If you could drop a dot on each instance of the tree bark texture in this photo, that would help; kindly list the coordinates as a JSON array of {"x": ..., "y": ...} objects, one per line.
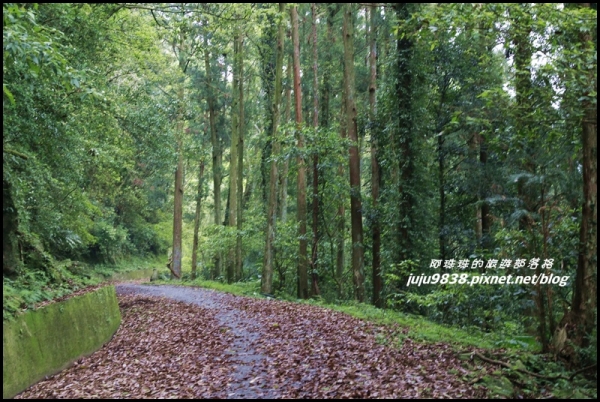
[
  {"x": 267, "y": 272},
  {"x": 233, "y": 162},
  {"x": 355, "y": 196},
  {"x": 240, "y": 158},
  {"x": 175, "y": 264},
  {"x": 315, "y": 169},
  {"x": 283, "y": 175},
  {"x": 404, "y": 142},
  {"x": 301, "y": 213},
  {"x": 217, "y": 154},
  {"x": 581, "y": 318},
  {"x": 197, "y": 220},
  {"x": 375, "y": 169}
]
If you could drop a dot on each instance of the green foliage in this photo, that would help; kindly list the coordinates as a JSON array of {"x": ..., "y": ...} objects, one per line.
[
  {"x": 478, "y": 111},
  {"x": 111, "y": 241},
  {"x": 554, "y": 382},
  {"x": 88, "y": 134},
  {"x": 499, "y": 309},
  {"x": 60, "y": 278},
  {"x": 33, "y": 48}
]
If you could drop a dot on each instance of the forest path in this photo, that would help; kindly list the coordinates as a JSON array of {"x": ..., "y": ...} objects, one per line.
[
  {"x": 242, "y": 355},
  {"x": 190, "y": 342}
]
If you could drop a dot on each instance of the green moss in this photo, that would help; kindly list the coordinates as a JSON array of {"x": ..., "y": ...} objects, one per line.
[{"x": 43, "y": 342}]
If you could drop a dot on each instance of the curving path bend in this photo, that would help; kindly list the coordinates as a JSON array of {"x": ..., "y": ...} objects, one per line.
[{"x": 182, "y": 342}]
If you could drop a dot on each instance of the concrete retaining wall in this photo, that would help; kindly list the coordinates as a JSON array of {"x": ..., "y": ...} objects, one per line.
[{"x": 45, "y": 341}]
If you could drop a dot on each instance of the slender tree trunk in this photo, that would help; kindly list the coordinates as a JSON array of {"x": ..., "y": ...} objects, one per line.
[
  {"x": 266, "y": 48},
  {"x": 442, "y": 190},
  {"x": 521, "y": 26},
  {"x": 441, "y": 155},
  {"x": 523, "y": 89},
  {"x": 250, "y": 183},
  {"x": 283, "y": 177},
  {"x": 473, "y": 153},
  {"x": 233, "y": 164},
  {"x": 267, "y": 273},
  {"x": 340, "y": 222},
  {"x": 303, "y": 246},
  {"x": 226, "y": 218},
  {"x": 486, "y": 240},
  {"x": 375, "y": 169},
  {"x": 355, "y": 197},
  {"x": 406, "y": 167},
  {"x": 483, "y": 209},
  {"x": 340, "y": 259},
  {"x": 583, "y": 311},
  {"x": 240, "y": 165},
  {"x": 327, "y": 67},
  {"x": 315, "y": 183},
  {"x": 175, "y": 265},
  {"x": 197, "y": 220},
  {"x": 217, "y": 155}
]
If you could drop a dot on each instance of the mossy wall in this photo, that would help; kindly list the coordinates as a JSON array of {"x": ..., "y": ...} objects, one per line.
[{"x": 45, "y": 341}]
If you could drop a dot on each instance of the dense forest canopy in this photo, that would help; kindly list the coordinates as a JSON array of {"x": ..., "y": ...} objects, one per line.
[{"x": 383, "y": 153}]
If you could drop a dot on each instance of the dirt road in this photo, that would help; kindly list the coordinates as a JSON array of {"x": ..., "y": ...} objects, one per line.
[{"x": 181, "y": 342}]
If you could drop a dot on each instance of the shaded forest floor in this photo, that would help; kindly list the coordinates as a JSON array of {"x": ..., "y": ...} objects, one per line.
[{"x": 181, "y": 342}]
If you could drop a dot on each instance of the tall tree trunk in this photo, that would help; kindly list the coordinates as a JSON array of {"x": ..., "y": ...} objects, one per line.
[
  {"x": 175, "y": 265},
  {"x": 240, "y": 164},
  {"x": 442, "y": 190},
  {"x": 283, "y": 176},
  {"x": 217, "y": 155},
  {"x": 406, "y": 167},
  {"x": 315, "y": 183},
  {"x": 375, "y": 169},
  {"x": 266, "y": 49},
  {"x": 486, "y": 240},
  {"x": 441, "y": 155},
  {"x": 303, "y": 246},
  {"x": 340, "y": 222},
  {"x": 583, "y": 311},
  {"x": 355, "y": 197},
  {"x": 267, "y": 273},
  {"x": 327, "y": 67},
  {"x": 233, "y": 164},
  {"x": 197, "y": 219},
  {"x": 523, "y": 88},
  {"x": 340, "y": 259},
  {"x": 521, "y": 25},
  {"x": 472, "y": 155}
]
